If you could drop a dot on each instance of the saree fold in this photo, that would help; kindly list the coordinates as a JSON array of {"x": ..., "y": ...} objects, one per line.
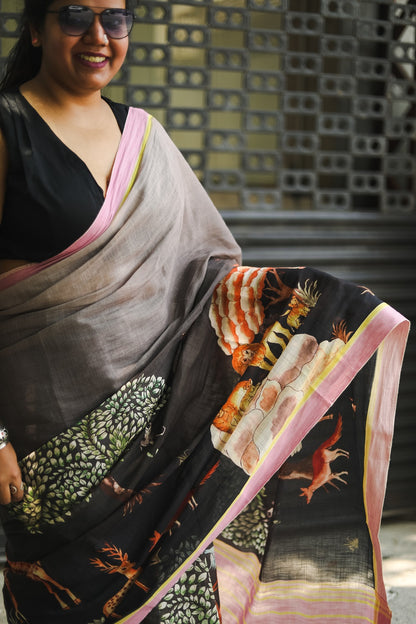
[{"x": 199, "y": 441}]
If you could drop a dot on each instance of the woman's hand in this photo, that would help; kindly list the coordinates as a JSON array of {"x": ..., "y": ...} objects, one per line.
[{"x": 11, "y": 485}]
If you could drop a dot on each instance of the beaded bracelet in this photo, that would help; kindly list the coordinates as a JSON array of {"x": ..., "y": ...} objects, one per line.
[{"x": 4, "y": 437}]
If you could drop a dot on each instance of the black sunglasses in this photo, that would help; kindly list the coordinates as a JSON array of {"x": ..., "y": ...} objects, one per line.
[{"x": 75, "y": 20}]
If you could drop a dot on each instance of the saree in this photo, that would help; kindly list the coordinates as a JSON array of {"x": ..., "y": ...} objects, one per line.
[{"x": 200, "y": 441}]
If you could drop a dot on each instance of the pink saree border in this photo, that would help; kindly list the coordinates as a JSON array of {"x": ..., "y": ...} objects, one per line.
[
  {"x": 383, "y": 327},
  {"x": 378, "y": 441},
  {"x": 124, "y": 172}
]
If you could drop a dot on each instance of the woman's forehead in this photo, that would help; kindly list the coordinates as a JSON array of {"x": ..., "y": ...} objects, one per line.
[{"x": 101, "y": 5}]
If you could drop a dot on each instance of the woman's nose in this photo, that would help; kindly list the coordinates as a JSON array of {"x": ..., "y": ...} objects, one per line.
[{"x": 96, "y": 33}]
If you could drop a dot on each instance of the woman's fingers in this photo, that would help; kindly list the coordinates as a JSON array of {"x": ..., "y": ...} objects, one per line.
[
  {"x": 11, "y": 493},
  {"x": 11, "y": 486},
  {"x": 5, "y": 495},
  {"x": 16, "y": 491}
]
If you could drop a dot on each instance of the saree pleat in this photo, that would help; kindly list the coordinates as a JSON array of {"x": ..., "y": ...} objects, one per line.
[{"x": 163, "y": 398}]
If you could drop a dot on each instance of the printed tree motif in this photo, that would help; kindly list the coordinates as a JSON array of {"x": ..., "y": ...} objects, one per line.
[
  {"x": 65, "y": 470},
  {"x": 192, "y": 598},
  {"x": 250, "y": 528},
  {"x": 339, "y": 330}
]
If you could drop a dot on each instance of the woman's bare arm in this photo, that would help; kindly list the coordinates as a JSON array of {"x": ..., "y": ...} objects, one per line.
[
  {"x": 10, "y": 476},
  {"x": 3, "y": 172}
]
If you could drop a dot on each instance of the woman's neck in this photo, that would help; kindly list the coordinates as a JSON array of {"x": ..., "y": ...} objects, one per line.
[{"x": 55, "y": 97}]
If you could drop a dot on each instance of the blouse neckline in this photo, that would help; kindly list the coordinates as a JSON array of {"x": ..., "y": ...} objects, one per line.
[{"x": 65, "y": 146}]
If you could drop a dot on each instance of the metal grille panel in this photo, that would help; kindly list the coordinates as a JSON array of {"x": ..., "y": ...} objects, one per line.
[{"x": 313, "y": 100}]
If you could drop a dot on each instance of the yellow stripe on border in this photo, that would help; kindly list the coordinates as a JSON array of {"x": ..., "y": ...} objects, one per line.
[{"x": 139, "y": 160}]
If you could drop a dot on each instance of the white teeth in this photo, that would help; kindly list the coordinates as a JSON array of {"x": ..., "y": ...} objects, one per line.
[{"x": 92, "y": 59}]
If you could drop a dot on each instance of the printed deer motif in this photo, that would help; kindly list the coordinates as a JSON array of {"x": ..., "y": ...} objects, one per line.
[
  {"x": 125, "y": 568},
  {"x": 321, "y": 464},
  {"x": 127, "y": 496},
  {"x": 35, "y": 572},
  {"x": 17, "y": 617}
]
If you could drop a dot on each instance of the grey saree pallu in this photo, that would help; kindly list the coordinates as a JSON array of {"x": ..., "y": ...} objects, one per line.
[{"x": 200, "y": 441}]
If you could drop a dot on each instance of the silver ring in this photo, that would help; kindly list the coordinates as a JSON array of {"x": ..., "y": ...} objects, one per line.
[{"x": 13, "y": 489}]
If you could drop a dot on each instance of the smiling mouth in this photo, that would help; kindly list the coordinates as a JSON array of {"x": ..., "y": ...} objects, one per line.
[{"x": 93, "y": 58}]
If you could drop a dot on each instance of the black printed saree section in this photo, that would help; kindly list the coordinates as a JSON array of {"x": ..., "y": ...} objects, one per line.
[
  {"x": 307, "y": 545},
  {"x": 256, "y": 427}
]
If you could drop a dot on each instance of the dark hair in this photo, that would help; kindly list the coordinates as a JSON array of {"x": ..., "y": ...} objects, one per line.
[{"x": 24, "y": 60}]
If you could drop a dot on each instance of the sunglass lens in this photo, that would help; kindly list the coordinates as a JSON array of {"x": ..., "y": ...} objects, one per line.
[
  {"x": 75, "y": 20},
  {"x": 117, "y": 23}
]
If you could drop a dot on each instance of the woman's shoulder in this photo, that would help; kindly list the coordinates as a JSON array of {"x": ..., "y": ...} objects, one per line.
[
  {"x": 10, "y": 109},
  {"x": 13, "y": 108},
  {"x": 9, "y": 101}
]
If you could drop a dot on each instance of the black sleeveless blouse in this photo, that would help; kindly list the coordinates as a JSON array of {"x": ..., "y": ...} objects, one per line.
[{"x": 51, "y": 196}]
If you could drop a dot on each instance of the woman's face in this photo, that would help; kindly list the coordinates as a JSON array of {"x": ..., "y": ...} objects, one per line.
[{"x": 84, "y": 63}]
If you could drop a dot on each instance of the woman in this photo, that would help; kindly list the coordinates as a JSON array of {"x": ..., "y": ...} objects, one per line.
[
  {"x": 66, "y": 93},
  {"x": 152, "y": 387}
]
